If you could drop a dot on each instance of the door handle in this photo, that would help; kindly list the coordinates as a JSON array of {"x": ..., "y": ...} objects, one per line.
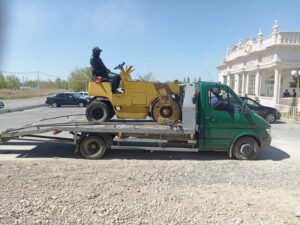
[{"x": 211, "y": 118}]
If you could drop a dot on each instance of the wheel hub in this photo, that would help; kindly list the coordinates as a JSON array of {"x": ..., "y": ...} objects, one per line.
[
  {"x": 270, "y": 118},
  {"x": 246, "y": 149},
  {"x": 97, "y": 113}
]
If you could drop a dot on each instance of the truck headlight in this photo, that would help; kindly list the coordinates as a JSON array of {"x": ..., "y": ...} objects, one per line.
[{"x": 269, "y": 131}]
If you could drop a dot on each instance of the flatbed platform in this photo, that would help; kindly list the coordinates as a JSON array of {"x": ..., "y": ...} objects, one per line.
[{"x": 121, "y": 127}]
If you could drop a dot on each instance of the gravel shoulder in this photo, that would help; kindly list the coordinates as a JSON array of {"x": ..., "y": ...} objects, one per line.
[
  {"x": 47, "y": 183},
  {"x": 149, "y": 191}
]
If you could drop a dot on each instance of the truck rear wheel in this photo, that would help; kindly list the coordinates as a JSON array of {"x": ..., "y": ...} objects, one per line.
[
  {"x": 92, "y": 147},
  {"x": 97, "y": 112},
  {"x": 246, "y": 148}
]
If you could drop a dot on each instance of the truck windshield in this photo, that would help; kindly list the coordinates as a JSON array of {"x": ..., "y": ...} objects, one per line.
[{"x": 223, "y": 100}]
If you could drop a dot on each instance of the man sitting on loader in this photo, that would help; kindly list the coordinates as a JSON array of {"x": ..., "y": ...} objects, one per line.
[{"x": 100, "y": 70}]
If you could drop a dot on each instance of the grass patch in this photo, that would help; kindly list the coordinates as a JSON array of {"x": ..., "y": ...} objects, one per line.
[{"x": 28, "y": 93}]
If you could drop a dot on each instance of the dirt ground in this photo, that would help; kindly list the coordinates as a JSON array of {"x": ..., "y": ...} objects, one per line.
[
  {"x": 158, "y": 188},
  {"x": 47, "y": 183}
]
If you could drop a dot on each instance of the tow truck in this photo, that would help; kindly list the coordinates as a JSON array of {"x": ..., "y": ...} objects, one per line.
[{"x": 214, "y": 118}]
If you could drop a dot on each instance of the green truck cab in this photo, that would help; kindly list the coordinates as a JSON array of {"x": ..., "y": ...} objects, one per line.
[{"x": 226, "y": 123}]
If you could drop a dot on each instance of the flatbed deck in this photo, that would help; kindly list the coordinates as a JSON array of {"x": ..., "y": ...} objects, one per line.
[{"x": 120, "y": 127}]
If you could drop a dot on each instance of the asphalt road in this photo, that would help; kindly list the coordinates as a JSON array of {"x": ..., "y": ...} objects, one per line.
[
  {"x": 15, "y": 103},
  {"x": 21, "y": 118}
]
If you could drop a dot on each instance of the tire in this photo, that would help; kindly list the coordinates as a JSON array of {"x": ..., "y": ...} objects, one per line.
[
  {"x": 97, "y": 112},
  {"x": 270, "y": 117},
  {"x": 112, "y": 114},
  {"x": 81, "y": 104},
  {"x": 92, "y": 147},
  {"x": 246, "y": 148},
  {"x": 54, "y": 105},
  {"x": 108, "y": 139}
]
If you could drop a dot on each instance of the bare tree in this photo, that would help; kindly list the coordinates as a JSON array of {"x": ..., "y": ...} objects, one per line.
[{"x": 146, "y": 77}]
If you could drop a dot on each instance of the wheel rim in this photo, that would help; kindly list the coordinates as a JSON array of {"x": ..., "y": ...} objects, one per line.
[
  {"x": 247, "y": 150},
  {"x": 270, "y": 117},
  {"x": 97, "y": 113},
  {"x": 92, "y": 148},
  {"x": 54, "y": 105},
  {"x": 81, "y": 104}
]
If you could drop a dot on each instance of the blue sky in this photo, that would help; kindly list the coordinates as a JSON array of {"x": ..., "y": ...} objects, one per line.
[{"x": 172, "y": 39}]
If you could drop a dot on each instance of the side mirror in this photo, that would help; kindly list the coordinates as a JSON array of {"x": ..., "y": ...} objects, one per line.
[{"x": 244, "y": 109}]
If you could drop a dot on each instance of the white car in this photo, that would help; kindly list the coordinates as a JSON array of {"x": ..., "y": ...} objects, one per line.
[{"x": 85, "y": 95}]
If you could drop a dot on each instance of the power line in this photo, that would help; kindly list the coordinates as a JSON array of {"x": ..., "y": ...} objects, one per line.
[{"x": 38, "y": 74}]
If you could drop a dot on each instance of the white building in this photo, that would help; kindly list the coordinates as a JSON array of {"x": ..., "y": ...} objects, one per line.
[{"x": 262, "y": 67}]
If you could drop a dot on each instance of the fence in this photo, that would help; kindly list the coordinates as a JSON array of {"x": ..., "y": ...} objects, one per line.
[{"x": 289, "y": 112}]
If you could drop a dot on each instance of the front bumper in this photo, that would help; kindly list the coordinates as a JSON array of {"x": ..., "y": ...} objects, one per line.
[{"x": 265, "y": 143}]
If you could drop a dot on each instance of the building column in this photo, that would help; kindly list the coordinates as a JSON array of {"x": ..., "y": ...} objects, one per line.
[
  {"x": 247, "y": 84},
  {"x": 257, "y": 83},
  {"x": 243, "y": 83},
  {"x": 277, "y": 81},
  {"x": 237, "y": 83},
  {"x": 228, "y": 80}
]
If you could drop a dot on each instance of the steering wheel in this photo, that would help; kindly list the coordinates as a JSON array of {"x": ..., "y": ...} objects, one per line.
[{"x": 120, "y": 66}]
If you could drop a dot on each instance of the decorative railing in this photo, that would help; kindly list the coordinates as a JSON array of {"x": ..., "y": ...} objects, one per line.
[
  {"x": 290, "y": 37},
  {"x": 249, "y": 46}
]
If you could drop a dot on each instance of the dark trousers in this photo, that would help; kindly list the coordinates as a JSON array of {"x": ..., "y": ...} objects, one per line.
[{"x": 113, "y": 78}]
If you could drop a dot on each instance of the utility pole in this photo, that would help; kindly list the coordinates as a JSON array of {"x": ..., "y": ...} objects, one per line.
[{"x": 38, "y": 82}]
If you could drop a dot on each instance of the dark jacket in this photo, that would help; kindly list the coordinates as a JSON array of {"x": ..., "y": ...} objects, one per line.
[{"x": 99, "y": 69}]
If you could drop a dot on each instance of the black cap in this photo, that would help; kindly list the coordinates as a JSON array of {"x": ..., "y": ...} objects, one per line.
[{"x": 97, "y": 49}]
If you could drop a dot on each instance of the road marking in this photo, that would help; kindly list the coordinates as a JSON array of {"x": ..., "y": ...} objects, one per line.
[
  {"x": 8, "y": 152},
  {"x": 17, "y": 147}
]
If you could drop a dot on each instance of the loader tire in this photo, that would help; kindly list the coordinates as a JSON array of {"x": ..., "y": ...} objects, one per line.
[{"x": 97, "y": 112}]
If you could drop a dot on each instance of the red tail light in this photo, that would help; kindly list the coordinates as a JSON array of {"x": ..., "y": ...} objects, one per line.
[{"x": 98, "y": 80}]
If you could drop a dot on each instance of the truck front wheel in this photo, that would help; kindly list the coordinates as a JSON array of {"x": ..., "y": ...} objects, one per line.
[
  {"x": 92, "y": 147},
  {"x": 246, "y": 148}
]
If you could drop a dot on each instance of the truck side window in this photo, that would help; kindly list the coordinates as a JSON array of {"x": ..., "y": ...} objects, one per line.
[
  {"x": 234, "y": 103},
  {"x": 218, "y": 99},
  {"x": 222, "y": 100},
  {"x": 251, "y": 103}
]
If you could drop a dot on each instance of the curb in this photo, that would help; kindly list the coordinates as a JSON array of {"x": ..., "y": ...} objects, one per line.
[{"x": 2, "y": 111}]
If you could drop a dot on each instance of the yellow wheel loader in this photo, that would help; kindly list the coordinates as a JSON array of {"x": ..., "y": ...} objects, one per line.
[{"x": 136, "y": 100}]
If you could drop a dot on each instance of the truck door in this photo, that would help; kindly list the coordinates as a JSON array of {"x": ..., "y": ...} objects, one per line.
[{"x": 223, "y": 117}]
